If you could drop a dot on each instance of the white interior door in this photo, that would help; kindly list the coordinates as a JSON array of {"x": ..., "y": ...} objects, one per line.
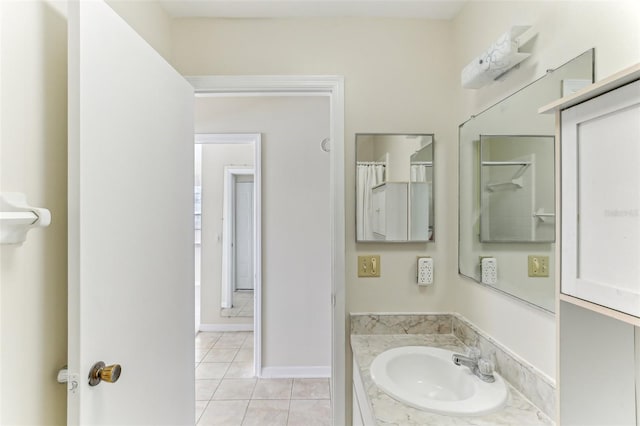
[
  {"x": 244, "y": 235},
  {"x": 130, "y": 225}
]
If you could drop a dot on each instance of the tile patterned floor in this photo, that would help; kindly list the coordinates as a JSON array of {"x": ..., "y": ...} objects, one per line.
[
  {"x": 242, "y": 305},
  {"x": 228, "y": 394}
]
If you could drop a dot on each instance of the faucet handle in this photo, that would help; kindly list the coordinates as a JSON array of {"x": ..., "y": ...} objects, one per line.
[
  {"x": 473, "y": 353},
  {"x": 486, "y": 366}
]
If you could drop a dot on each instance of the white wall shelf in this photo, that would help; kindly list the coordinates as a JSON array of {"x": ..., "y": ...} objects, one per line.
[
  {"x": 621, "y": 316},
  {"x": 612, "y": 82},
  {"x": 17, "y": 218}
]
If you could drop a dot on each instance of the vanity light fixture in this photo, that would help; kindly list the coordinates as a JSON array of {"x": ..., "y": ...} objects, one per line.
[{"x": 500, "y": 57}]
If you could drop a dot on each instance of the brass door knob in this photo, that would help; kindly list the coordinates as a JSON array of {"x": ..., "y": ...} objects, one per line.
[{"x": 100, "y": 372}]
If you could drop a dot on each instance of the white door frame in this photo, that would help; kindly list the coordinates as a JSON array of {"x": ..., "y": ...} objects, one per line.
[
  {"x": 228, "y": 233},
  {"x": 333, "y": 87},
  {"x": 254, "y": 139}
]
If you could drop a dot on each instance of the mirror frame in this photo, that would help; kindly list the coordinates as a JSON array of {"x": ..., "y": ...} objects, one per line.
[{"x": 433, "y": 191}]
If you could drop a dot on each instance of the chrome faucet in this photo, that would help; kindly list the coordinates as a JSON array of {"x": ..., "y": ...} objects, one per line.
[{"x": 481, "y": 367}]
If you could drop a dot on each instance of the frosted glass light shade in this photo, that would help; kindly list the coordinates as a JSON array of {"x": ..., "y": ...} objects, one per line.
[{"x": 499, "y": 58}]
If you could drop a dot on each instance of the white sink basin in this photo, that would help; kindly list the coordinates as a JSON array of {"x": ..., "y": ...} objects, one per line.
[{"x": 426, "y": 378}]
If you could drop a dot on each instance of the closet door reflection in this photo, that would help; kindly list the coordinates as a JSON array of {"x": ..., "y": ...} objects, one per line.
[
  {"x": 225, "y": 227},
  {"x": 238, "y": 242}
]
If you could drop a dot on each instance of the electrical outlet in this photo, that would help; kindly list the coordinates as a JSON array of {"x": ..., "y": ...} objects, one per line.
[
  {"x": 425, "y": 270},
  {"x": 369, "y": 266},
  {"x": 488, "y": 270},
  {"x": 538, "y": 266}
]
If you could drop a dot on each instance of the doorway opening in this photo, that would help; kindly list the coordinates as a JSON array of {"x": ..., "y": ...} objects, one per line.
[{"x": 331, "y": 87}]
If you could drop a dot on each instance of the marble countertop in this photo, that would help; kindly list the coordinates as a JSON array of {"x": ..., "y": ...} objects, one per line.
[{"x": 388, "y": 411}]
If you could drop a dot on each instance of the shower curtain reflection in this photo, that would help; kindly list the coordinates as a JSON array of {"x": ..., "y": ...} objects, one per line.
[{"x": 370, "y": 174}]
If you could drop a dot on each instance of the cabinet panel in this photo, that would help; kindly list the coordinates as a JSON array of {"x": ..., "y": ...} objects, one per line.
[
  {"x": 378, "y": 203},
  {"x": 357, "y": 413},
  {"x": 597, "y": 383},
  {"x": 390, "y": 211},
  {"x": 601, "y": 200},
  {"x": 364, "y": 413}
]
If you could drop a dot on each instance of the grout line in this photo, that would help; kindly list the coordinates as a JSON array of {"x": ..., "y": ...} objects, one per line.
[
  {"x": 290, "y": 397},
  {"x": 244, "y": 416},
  {"x": 203, "y": 410},
  {"x": 293, "y": 383}
]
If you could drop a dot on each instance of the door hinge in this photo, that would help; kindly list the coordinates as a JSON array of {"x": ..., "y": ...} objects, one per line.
[{"x": 333, "y": 300}]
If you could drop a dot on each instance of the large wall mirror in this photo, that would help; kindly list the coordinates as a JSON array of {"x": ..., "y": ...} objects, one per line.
[
  {"x": 394, "y": 187},
  {"x": 507, "y": 188}
]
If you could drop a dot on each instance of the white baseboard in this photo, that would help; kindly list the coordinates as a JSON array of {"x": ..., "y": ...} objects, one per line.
[
  {"x": 226, "y": 327},
  {"x": 293, "y": 372}
]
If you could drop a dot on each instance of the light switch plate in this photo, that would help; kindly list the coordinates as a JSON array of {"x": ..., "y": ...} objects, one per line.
[
  {"x": 538, "y": 266},
  {"x": 369, "y": 266}
]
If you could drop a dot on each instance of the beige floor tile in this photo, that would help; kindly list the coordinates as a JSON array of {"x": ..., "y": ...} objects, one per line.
[
  {"x": 267, "y": 413},
  {"x": 200, "y": 353},
  {"x": 205, "y": 388},
  {"x": 231, "y": 340},
  {"x": 246, "y": 311},
  {"x": 227, "y": 413},
  {"x": 240, "y": 370},
  {"x": 235, "y": 389},
  {"x": 316, "y": 412},
  {"x": 211, "y": 370},
  {"x": 273, "y": 389},
  {"x": 248, "y": 344},
  {"x": 206, "y": 339},
  {"x": 221, "y": 355},
  {"x": 244, "y": 354},
  {"x": 200, "y": 406},
  {"x": 310, "y": 389},
  {"x": 230, "y": 312}
]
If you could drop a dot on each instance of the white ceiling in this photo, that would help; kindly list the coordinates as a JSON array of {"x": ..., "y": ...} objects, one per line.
[{"x": 431, "y": 9}]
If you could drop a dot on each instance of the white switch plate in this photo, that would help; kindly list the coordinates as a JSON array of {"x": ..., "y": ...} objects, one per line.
[
  {"x": 425, "y": 270},
  {"x": 489, "y": 270}
]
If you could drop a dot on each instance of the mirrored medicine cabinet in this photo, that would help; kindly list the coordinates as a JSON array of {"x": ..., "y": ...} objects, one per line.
[
  {"x": 394, "y": 187},
  {"x": 507, "y": 188}
]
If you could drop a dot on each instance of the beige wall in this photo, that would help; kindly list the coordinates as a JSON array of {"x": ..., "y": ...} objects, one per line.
[
  {"x": 33, "y": 277},
  {"x": 565, "y": 30},
  {"x": 400, "y": 148},
  {"x": 394, "y": 70},
  {"x": 214, "y": 158},
  {"x": 149, "y": 19},
  {"x": 296, "y": 244}
]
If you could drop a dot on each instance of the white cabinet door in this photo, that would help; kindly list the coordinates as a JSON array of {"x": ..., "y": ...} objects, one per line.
[
  {"x": 396, "y": 212},
  {"x": 378, "y": 222},
  {"x": 130, "y": 184},
  {"x": 601, "y": 200}
]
